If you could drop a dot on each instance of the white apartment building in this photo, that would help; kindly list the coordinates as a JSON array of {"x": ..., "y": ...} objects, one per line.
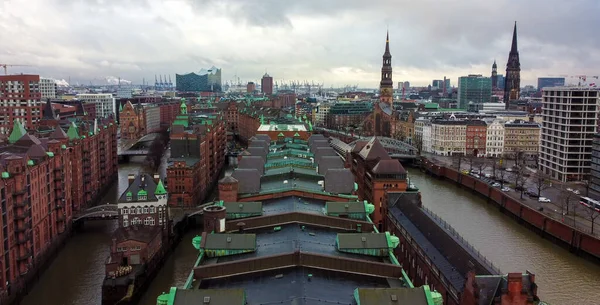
[
  {"x": 105, "y": 103},
  {"x": 427, "y": 138},
  {"x": 570, "y": 118},
  {"x": 47, "y": 88},
  {"x": 494, "y": 146},
  {"x": 448, "y": 137}
]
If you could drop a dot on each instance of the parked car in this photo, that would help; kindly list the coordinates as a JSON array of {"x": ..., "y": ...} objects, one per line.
[
  {"x": 544, "y": 199},
  {"x": 506, "y": 189},
  {"x": 488, "y": 175},
  {"x": 509, "y": 169},
  {"x": 465, "y": 172},
  {"x": 573, "y": 190},
  {"x": 496, "y": 184}
]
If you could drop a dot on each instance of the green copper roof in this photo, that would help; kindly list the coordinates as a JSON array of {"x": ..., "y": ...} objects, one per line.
[
  {"x": 142, "y": 193},
  {"x": 17, "y": 132},
  {"x": 91, "y": 133},
  {"x": 30, "y": 162},
  {"x": 83, "y": 137},
  {"x": 120, "y": 107},
  {"x": 129, "y": 194},
  {"x": 72, "y": 132},
  {"x": 160, "y": 189},
  {"x": 5, "y": 175},
  {"x": 63, "y": 146},
  {"x": 296, "y": 134},
  {"x": 183, "y": 106},
  {"x": 50, "y": 154},
  {"x": 281, "y": 134}
]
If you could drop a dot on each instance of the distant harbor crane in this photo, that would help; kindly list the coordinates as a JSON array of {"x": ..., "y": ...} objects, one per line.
[{"x": 9, "y": 65}]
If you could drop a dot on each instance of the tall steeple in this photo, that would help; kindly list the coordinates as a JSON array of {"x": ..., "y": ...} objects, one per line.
[
  {"x": 386, "y": 86},
  {"x": 512, "y": 85},
  {"x": 494, "y": 75}
]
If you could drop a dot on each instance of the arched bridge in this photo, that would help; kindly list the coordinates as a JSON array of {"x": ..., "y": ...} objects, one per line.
[
  {"x": 101, "y": 212},
  {"x": 136, "y": 147},
  {"x": 393, "y": 146}
]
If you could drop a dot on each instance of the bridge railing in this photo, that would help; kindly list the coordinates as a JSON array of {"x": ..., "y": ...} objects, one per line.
[{"x": 463, "y": 241}]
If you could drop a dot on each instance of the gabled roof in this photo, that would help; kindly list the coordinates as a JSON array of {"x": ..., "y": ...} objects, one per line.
[
  {"x": 142, "y": 182},
  {"x": 72, "y": 133},
  {"x": 389, "y": 167},
  {"x": 339, "y": 181},
  {"x": 17, "y": 132},
  {"x": 36, "y": 151},
  {"x": 358, "y": 146},
  {"x": 28, "y": 140},
  {"x": 228, "y": 179},
  {"x": 48, "y": 111},
  {"x": 58, "y": 134},
  {"x": 145, "y": 235},
  {"x": 255, "y": 162},
  {"x": 373, "y": 151}
]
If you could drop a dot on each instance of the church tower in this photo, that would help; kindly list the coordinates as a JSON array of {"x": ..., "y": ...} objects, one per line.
[
  {"x": 512, "y": 86},
  {"x": 494, "y": 75},
  {"x": 386, "y": 86}
]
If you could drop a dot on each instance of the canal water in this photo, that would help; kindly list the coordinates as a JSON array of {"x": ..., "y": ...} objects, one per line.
[
  {"x": 76, "y": 275},
  {"x": 562, "y": 277}
]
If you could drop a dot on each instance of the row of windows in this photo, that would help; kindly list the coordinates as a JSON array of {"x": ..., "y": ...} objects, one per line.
[
  {"x": 140, "y": 210},
  {"x": 125, "y": 249}
]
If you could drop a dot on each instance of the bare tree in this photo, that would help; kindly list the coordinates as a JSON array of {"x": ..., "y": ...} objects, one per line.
[
  {"x": 470, "y": 159},
  {"x": 586, "y": 183},
  {"x": 566, "y": 200},
  {"x": 481, "y": 164},
  {"x": 541, "y": 182},
  {"x": 592, "y": 214},
  {"x": 457, "y": 161},
  {"x": 494, "y": 165},
  {"x": 520, "y": 180},
  {"x": 501, "y": 175}
]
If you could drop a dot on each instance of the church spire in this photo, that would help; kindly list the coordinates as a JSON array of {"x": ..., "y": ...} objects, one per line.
[
  {"x": 513, "y": 47},
  {"x": 387, "y": 43},
  {"x": 386, "y": 86}
]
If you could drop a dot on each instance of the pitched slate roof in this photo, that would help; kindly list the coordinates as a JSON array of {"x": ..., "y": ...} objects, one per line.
[
  {"x": 315, "y": 137},
  {"x": 258, "y": 151},
  {"x": 259, "y": 143},
  {"x": 243, "y": 207},
  {"x": 58, "y": 134},
  {"x": 255, "y": 162},
  {"x": 36, "y": 151},
  {"x": 264, "y": 137},
  {"x": 318, "y": 144},
  {"x": 339, "y": 181},
  {"x": 324, "y": 151},
  {"x": 28, "y": 140},
  {"x": 329, "y": 162},
  {"x": 145, "y": 234},
  {"x": 392, "y": 296},
  {"x": 141, "y": 182},
  {"x": 362, "y": 240},
  {"x": 389, "y": 167},
  {"x": 374, "y": 150},
  {"x": 249, "y": 180},
  {"x": 230, "y": 241},
  {"x": 358, "y": 146}
]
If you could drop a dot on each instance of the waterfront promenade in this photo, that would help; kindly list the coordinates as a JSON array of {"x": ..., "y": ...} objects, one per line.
[{"x": 578, "y": 217}]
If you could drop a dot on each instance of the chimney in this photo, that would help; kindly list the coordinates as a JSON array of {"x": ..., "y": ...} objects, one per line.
[
  {"x": 515, "y": 284},
  {"x": 156, "y": 178},
  {"x": 130, "y": 178}
]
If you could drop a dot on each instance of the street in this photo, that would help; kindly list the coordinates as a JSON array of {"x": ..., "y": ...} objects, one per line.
[{"x": 564, "y": 205}]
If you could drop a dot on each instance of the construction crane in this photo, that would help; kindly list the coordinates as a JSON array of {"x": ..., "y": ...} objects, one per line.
[{"x": 9, "y": 65}]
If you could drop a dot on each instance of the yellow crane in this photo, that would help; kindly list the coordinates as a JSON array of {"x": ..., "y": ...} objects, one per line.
[{"x": 9, "y": 65}]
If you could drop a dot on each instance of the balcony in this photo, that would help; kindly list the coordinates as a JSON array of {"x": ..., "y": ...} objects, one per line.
[
  {"x": 24, "y": 256},
  {"x": 19, "y": 192},
  {"x": 23, "y": 228},
  {"x": 23, "y": 215},
  {"x": 21, "y": 204}
]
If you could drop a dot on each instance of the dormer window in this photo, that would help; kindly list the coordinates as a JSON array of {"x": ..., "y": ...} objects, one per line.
[
  {"x": 142, "y": 195},
  {"x": 129, "y": 196}
]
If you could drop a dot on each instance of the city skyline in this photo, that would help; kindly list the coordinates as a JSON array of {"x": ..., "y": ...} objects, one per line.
[{"x": 321, "y": 42}]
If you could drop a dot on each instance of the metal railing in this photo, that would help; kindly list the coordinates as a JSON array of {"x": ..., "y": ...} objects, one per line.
[{"x": 448, "y": 228}]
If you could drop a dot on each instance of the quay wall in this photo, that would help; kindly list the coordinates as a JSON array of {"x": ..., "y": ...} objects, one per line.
[{"x": 575, "y": 240}]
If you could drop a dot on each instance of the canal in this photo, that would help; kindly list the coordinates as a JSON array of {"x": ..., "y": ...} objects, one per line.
[
  {"x": 560, "y": 275},
  {"x": 76, "y": 275}
]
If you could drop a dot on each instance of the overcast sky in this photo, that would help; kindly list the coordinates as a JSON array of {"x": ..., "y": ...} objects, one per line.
[{"x": 334, "y": 42}]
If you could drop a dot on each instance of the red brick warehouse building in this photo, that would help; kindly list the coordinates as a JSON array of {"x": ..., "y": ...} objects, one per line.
[{"x": 45, "y": 179}]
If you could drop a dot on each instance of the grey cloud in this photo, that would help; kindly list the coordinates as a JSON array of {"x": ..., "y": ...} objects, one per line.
[{"x": 298, "y": 39}]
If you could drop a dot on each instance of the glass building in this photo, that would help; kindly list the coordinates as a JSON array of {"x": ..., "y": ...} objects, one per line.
[
  {"x": 474, "y": 88},
  {"x": 205, "y": 81}
]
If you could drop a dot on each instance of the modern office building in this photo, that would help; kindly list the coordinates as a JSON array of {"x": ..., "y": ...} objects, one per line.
[
  {"x": 203, "y": 81},
  {"x": 570, "y": 121},
  {"x": 474, "y": 88},
  {"x": 20, "y": 99},
  {"x": 250, "y": 87},
  {"x": 105, "y": 103},
  {"x": 594, "y": 180},
  {"x": 437, "y": 84},
  {"x": 47, "y": 88},
  {"x": 544, "y": 82},
  {"x": 125, "y": 91},
  {"x": 266, "y": 84}
]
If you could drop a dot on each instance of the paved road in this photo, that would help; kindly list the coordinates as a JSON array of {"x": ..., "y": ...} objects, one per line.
[{"x": 578, "y": 215}]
